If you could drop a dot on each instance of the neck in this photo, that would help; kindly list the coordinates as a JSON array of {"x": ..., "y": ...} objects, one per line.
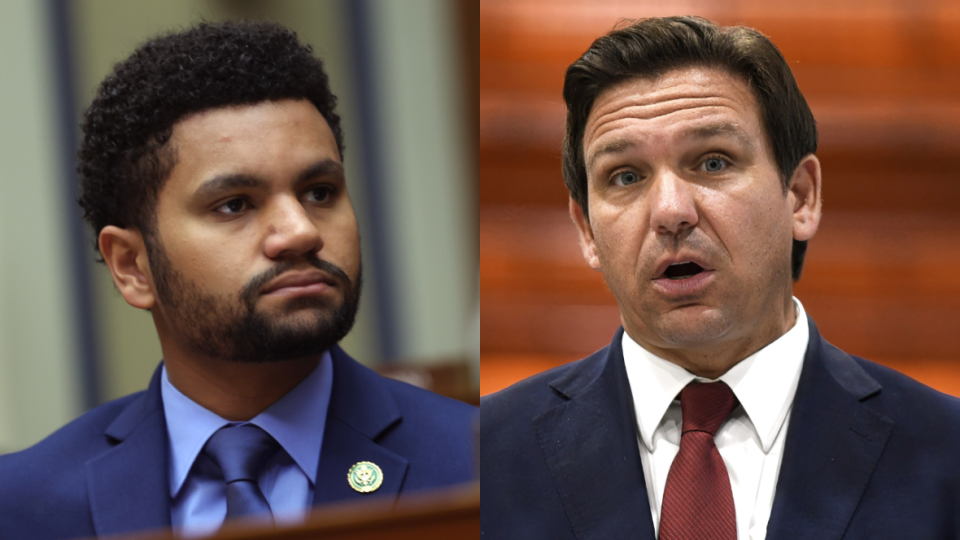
[{"x": 235, "y": 391}]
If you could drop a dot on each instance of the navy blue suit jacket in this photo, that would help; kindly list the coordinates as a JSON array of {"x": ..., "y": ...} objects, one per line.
[
  {"x": 869, "y": 454},
  {"x": 106, "y": 472}
]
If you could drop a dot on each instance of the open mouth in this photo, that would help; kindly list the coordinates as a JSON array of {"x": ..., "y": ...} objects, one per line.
[{"x": 682, "y": 270}]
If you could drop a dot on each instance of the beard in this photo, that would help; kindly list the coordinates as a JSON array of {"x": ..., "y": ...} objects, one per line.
[{"x": 230, "y": 328}]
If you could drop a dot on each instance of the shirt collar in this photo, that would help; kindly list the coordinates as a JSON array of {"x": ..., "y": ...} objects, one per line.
[
  {"x": 764, "y": 382},
  {"x": 296, "y": 421}
]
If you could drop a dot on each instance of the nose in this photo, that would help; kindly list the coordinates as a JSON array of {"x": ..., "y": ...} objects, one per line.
[
  {"x": 673, "y": 208},
  {"x": 289, "y": 230}
]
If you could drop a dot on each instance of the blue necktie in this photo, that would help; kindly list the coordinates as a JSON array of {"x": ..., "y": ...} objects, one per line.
[{"x": 240, "y": 452}]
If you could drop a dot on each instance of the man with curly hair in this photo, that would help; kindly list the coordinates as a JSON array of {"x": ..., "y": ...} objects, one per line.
[{"x": 212, "y": 175}]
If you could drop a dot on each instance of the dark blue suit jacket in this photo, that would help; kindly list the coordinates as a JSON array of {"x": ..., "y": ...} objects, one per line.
[
  {"x": 106, "y": 472},
  {"x": 870, "y": 454}
]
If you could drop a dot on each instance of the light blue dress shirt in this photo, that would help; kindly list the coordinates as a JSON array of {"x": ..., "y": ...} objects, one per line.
[{"x": 197, "y": 493}]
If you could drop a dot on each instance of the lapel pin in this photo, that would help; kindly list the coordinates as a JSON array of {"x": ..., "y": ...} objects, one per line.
[{"x": 365, "y": 477}]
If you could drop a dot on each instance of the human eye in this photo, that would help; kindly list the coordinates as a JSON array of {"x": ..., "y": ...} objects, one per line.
[
  {"x": 319, "y": 194},
  {"x": 625, "y": 178},
  {"x": 714, "y": 164},
  {"x": 233, "y": 206}
]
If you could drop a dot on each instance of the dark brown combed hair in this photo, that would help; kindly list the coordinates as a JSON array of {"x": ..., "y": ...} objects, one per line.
[
  {"x": 124, "y": 159},
  {"x": 649, "y": 48}
]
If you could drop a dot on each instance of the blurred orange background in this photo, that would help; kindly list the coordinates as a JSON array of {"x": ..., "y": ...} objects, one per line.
[{"x": 883, "y": 81}]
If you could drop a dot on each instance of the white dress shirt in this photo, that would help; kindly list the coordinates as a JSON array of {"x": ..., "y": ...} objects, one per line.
[
  {"x": 750, "y": 442},
  {"x": 296, "y": 421}
]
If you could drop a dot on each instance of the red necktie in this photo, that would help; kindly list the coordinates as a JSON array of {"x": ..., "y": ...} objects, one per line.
[{"x": 698, "y": 501}]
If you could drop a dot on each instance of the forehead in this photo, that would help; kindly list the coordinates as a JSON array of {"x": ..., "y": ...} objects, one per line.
[
  {"x": 694, "y": 100},
  {"x": 270, "y": 139}
]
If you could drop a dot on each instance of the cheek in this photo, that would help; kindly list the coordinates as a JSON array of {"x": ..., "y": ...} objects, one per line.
[
  {"x": 619, "y": 234},
  {"x": 212, "y": 260},
  {"x": 748, "y": 222},
  {"x": 341, "y": 242}
]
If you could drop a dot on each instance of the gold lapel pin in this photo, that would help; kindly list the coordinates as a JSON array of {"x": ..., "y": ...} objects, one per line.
[{"x": 365, "y": 477}]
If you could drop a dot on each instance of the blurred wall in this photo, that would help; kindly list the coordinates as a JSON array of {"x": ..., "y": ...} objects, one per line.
[
  {"x": 38, "y": 374},
  {"x": 397, "y": 70}
]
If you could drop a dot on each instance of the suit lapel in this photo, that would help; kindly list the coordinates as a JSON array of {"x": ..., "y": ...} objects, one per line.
[
  {"x": 589, "y": 442},
  {"x": 128, "y": 484},
  {"x": 833, "y": 444},
  {"x": 362, "y": 409}
]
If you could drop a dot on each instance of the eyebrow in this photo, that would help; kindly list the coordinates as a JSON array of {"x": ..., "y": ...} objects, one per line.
[
  {"x": 227, "y": 182},
  {"x": 700, "y": 132},
  {"x": 716, "y": 130},
  {"x": 327, "y": 167},
  {"x": 612, "y": 147}
]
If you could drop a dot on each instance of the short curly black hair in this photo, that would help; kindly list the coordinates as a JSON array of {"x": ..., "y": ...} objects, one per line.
[{"x": 124, "y": 159}]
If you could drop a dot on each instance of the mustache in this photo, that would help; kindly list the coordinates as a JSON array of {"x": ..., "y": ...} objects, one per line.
[
  {"x": 694, "y": 241},
  {"x": 249, "y": 292}
]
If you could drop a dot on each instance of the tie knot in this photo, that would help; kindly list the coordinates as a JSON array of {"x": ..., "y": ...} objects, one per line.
[
  {"x": 706, "y": 406},
  {"x": 240, "y": 451}
]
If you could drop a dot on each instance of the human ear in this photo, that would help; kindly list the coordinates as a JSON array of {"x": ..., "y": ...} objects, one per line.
[
  {"x": 804, "y": 196},
  {"x": 587, "y": 244},
  {"x": 125, "y": 253}
]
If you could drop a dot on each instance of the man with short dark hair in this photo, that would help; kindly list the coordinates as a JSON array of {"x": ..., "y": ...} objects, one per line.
[
  {"x": 718, "y": 411},
  {"x": 212, "y": 175}
]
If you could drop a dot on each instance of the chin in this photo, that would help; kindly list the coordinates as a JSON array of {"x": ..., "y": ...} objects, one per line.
[
  {"x": 690, "y": 327},
  {"x": 304, "y": 304},
  {"x": 303, "y": 321}
]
